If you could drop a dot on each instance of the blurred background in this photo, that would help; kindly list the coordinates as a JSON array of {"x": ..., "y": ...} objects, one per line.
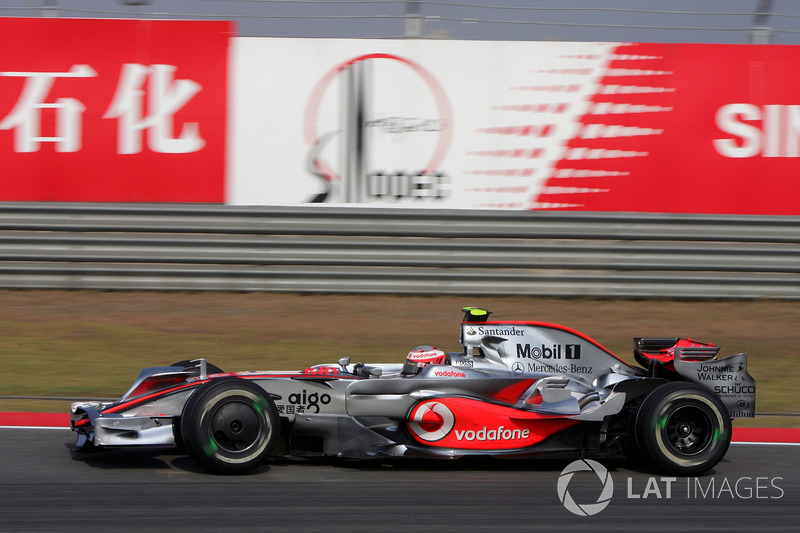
[
  {"x": 707, "y": 21},
  {"x": 214, "y": 189}
]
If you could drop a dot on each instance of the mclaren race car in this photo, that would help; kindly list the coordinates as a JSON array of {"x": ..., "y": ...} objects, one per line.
[{"x": 516, "y": 389}]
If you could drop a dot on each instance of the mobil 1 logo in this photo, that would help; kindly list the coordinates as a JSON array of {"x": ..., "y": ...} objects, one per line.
[{"x": 544, "y": 351}]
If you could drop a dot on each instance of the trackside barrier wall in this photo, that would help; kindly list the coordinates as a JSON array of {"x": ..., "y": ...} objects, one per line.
[{"x": 403, "y": 251}]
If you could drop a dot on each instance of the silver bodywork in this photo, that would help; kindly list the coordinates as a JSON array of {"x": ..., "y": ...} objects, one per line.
[{"x": 363, "y": 411}]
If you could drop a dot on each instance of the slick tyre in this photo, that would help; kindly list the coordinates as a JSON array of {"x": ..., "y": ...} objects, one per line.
[
  {"x": 683, "y": 428},
  {"x": 229, "y": 426}
]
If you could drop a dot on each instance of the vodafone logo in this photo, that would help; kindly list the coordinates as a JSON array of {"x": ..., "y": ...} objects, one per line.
[{"x": 431, "y": 420}]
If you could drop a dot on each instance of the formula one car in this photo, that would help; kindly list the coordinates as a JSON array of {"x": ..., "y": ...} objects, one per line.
[{"x": 516, "y": 389}]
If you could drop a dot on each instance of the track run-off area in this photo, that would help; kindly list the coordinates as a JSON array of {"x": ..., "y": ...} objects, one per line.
[{"x": 45, "y": 486}]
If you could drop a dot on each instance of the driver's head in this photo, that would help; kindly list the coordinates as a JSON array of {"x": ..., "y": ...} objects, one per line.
[{"x": 420, "y": 357}]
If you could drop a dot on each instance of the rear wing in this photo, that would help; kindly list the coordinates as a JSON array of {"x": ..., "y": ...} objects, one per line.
[
  {"x": 727, "y": 378},
  {"x": 698, "y": 362}
]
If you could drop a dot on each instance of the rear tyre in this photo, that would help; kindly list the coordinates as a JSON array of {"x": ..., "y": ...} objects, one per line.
[
  {"x": 229, "y": 426},
  {"x": 683, "y": 428}
]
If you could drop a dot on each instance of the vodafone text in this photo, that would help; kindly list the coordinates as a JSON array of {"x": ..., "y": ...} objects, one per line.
[
  {"x": 449, "y": 374},
  {"x": 487, "y": 434}
]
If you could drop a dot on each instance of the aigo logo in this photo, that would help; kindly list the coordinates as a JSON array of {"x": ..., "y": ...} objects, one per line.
[
  {"x": 586, "y": 509},
  {"x": 369, "y": 121},
  {"x": 431, "y": 420}
]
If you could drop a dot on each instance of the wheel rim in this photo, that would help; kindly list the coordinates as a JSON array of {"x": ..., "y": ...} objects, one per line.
[
  {"x": 236, "y": 426},
  {"x": 688, "y": 430}
]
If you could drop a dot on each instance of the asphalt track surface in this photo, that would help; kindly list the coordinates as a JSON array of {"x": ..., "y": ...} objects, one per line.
[{"x": 47, "y": 487}]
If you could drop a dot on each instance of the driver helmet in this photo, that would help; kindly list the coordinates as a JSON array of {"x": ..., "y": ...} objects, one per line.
[{"x": 420, "y": 357}]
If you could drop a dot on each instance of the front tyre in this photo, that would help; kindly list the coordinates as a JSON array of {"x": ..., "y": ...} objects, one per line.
[
  {"x": 683, "y": 428},
  {"x": 229, "y": 426}
]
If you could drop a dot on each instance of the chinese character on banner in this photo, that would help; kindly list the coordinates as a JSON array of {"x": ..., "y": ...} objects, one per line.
[
  {"x": 113, "y": 110},
  {"x": 26, "y": 115},
  {"x": 165, "y": 97}
]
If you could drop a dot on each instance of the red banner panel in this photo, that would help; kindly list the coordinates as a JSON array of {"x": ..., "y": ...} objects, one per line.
[
  {"x": 113, "y": 110},
  {"x": 687, "y": 129}
]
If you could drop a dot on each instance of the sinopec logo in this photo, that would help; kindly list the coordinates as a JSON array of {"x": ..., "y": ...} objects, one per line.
[
  {"x": 766, "y": 131},
  {"x": 555, "y": 351},
  {"x": 378, "y": 127}
]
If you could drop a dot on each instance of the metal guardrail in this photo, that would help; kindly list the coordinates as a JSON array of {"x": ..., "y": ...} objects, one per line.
[{"x": 366, "y": 250}]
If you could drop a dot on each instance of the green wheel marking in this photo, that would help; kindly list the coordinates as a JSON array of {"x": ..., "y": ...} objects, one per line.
[{"x": 211, "y": 448}]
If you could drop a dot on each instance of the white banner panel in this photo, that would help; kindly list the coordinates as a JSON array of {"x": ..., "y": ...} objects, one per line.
[{"x": 454, "y": 124}]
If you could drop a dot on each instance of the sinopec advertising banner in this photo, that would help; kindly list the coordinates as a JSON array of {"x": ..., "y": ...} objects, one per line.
[
  {"x": 113, "y": 110},
  {"x": 169, "y": 111},
  {"x": 680, "y": 128}
]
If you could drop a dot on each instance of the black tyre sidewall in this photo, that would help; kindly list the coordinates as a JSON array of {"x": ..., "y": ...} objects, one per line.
[
  {"x": 652, "y": 435},
  {"x": 195, "y": 425}
]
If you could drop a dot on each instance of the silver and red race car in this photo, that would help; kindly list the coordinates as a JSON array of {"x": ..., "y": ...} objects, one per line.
[{"x": 516, "y": 389}]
